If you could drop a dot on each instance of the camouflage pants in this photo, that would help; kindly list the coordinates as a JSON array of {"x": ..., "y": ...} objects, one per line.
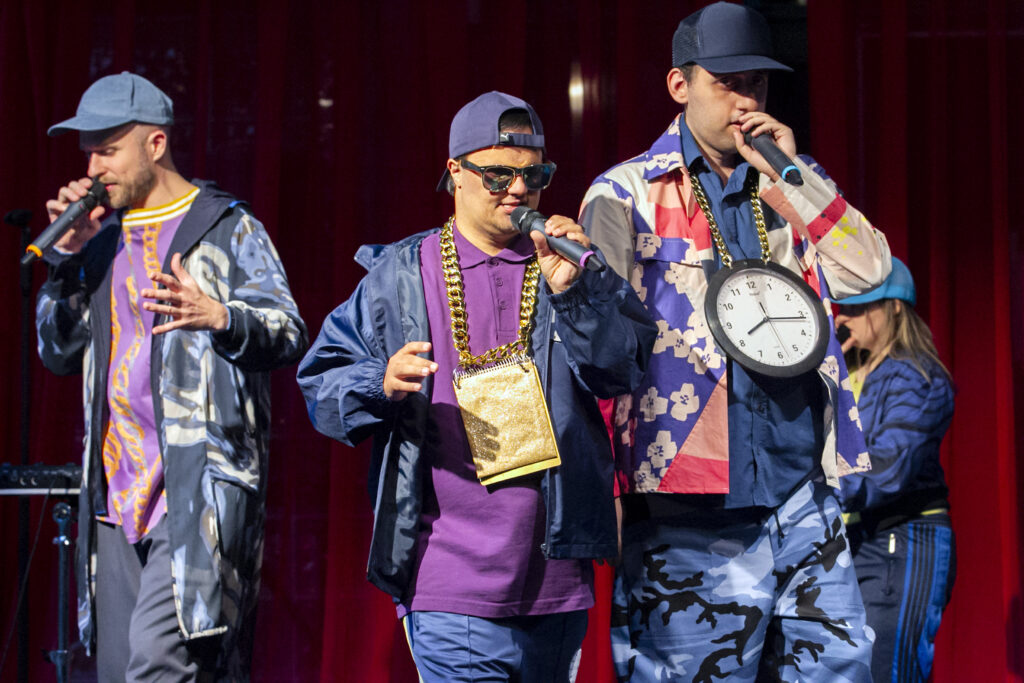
[{"x": 733, "y": 596}]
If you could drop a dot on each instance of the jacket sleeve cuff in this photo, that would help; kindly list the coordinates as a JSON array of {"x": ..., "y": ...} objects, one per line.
[
  {"x": 232, "y": 337},
  {"x": 576, "y": 296}
]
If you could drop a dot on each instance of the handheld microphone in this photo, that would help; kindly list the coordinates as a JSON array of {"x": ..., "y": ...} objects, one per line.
[
  {"x": 775, "y": 157},
  {"x": 19, "y": 218},
  {"x": 96, "y": 195},
  {"x": 526, "y": 219}
]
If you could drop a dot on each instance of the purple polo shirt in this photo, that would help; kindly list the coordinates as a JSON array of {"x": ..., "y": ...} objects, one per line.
[{"x": 479, "y": 549}]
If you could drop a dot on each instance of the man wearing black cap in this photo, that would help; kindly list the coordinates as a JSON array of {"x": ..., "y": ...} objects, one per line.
[
  {"x": 172, "y": 303},
  {"x": 735, "y": 562},
  {"x": 471, "y": 355}
]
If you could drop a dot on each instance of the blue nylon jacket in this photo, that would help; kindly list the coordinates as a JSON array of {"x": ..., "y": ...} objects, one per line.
[
  {"x": 593, "y": 339},
  {"x": 905, "y": 418}
]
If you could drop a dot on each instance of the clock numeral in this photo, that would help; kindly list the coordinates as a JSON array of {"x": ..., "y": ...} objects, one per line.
[
  {"x": 751, "y": 284},
  {"x": 787, "y": 296},
  {"x": 728, "y": 326},
  {"x": 734, "y": 292},
  {"x": 727, "y": 307},
  {"x": 780, "y": 354},
  {"x": 803, "y": 333},
  {"x": 796, "y": 348},
  {"x": 743, "y": 342}
]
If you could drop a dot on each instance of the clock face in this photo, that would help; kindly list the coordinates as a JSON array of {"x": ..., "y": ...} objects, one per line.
[{"x": 767, "y": 319}]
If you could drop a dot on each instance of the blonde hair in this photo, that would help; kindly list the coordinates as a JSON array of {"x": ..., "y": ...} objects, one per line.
[{"x": 904, "y": 337}]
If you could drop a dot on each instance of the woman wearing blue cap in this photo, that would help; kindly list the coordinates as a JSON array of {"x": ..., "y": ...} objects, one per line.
[{"x": 898, "y": 513}]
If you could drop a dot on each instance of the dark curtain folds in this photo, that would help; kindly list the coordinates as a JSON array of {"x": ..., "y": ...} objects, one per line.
[
  {"x": 911, "y": 108},
  {"x": 332, "y": 118}
]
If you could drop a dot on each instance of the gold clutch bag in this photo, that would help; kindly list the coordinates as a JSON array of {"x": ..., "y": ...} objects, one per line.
[{"x": 506, "y": 419}]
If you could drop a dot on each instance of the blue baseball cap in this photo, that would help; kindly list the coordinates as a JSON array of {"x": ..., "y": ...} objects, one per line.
[
  {"x": 475, "y": 126},
  {"x": 113, "y": 101},
  {"x": 725, "y": 38},
  {"x": 899, "y": 285}
]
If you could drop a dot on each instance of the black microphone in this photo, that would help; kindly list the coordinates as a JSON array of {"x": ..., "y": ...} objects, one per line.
[
  {"x": 526, "y": 219},
  {"x": 775, "y": 157},
  {"x": 19, "y": 218},
  {"x": 97, "y": 194}
]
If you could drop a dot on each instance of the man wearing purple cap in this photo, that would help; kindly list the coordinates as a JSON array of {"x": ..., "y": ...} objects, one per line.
[
  {"x": 172, "y": 303},
  {"x": 484, "y": 541},
  {"x": 735, "y": 564}
]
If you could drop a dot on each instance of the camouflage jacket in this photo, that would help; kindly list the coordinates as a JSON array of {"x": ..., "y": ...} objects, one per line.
[{"x": 213, "y": 392}]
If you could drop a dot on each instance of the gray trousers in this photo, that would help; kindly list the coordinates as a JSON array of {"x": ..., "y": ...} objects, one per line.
[{"x": 137, "y": 635}]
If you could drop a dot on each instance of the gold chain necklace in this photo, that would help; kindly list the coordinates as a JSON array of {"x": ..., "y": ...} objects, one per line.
[
  {"x": 457, "y": 306},
  {"x": 755, "y": 205}
]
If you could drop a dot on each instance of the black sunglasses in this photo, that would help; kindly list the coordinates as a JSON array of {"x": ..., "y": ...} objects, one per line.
[{"x": 499, "y": 178}]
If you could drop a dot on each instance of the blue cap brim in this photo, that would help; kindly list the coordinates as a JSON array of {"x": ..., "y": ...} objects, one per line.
[
  {"x": 736, "y": 63},
  {"x": 87, "y": 123}
]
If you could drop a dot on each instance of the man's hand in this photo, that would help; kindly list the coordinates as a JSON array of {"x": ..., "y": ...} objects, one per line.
[
  {"x": 406, "y": 370},
  {"x": 758, "y": 123},
  {"x": 86, "y": 227},
  {"x": 183, "y": 302},
  {"x": 559, "y": 271}
]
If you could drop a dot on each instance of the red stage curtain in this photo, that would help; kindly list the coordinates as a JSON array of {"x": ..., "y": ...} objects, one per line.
[
  {"x": 910, "y": 109},
  {"x": 332, "y": 118}
]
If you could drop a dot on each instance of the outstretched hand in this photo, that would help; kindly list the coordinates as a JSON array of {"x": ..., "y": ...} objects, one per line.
[
  {"x": 181, "y": 300},
  {"x": 406, "y": 370}
]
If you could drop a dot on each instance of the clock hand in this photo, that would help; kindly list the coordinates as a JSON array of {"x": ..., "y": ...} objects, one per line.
[
  {"x": 763, "y": 321},
  {"x": 787, "y": 318},
  {"x": 777, "y": 337},
  {"x": 768, "y": 319}
]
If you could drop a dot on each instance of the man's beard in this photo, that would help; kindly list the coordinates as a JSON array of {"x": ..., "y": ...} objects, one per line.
[{"x": 134, "y": 190}]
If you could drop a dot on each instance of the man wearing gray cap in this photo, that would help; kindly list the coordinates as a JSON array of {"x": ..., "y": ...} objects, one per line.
[
  {"x": 735, "y": 561},
  {"x": 471, "y": 355},
  {"x": 172, "y": 303}
]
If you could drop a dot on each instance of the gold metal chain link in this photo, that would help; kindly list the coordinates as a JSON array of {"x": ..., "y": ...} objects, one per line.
[
  {"x": 457, "y": 306},
  {"x": 755, "y": 205}
]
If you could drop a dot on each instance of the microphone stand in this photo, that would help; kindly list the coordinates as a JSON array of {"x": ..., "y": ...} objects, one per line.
[
  {"x": 59, "y": 657},
  {"x": 20, "y": 218}
]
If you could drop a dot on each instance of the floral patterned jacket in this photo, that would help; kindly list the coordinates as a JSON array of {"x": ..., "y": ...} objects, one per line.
[
  {"x": 671, "y": 435},
  {"x": 213, "y": 407}
]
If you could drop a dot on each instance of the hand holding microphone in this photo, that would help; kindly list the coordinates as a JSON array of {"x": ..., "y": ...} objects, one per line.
[
  {"x": 526, "y": 220},
  {"x": 764, "y": 143},
  {"x": 562, "y": 270},
  {"x": 78, "y": 201}
]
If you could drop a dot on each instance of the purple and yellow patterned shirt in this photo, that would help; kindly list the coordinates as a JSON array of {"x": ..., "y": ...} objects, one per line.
[{"x": 131, "y": 447}]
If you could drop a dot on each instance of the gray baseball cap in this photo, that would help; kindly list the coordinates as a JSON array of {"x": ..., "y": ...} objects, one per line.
[
  {"x": 113, "y": 101},
  {"x": 475, "y": 126}
]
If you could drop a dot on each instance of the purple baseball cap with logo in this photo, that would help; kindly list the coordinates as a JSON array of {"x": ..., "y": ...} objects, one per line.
[
  {"x": 725, "y": 38},
  {"x": 475, "y": 126},
  {"x": 113, "y": 101}
]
